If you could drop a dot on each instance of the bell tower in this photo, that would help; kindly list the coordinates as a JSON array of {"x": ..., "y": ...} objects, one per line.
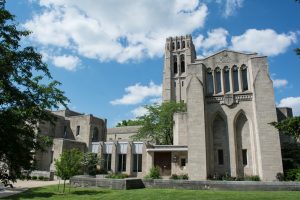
[{"x": 179, "y": 53}]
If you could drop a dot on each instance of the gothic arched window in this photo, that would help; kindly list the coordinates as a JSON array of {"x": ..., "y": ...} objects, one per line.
[
  {"x": 175, "y": 69},
  {"x": 178, "y": 45},
  {"x": 210, "y": 82},
  {"x": 173, "y": 45},
  {"x": 218, "y": 80},
  {"x": 95, "y": 137},
  {"x": 182, "y": 63},
  {"x": 183, "y": 44},
  {"x": 226, "y": 79},
  {"x": 244, "y": 77},
  {"x": 235, "y": 72}
]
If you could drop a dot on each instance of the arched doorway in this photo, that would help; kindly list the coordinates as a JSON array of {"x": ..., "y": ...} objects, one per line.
[{"x": 221, "y": 161}]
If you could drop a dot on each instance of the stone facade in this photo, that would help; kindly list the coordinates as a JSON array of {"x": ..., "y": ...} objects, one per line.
[{"x": 71, "y": 130}]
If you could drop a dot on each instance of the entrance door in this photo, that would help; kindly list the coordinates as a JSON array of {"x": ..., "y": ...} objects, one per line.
[{"x": 163, "y": 161}]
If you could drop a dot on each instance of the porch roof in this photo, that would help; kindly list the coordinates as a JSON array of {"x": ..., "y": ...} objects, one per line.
[{"x": 166, "y": 148}]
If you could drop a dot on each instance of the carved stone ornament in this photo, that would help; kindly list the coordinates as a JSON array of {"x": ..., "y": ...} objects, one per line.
[
  {"x": 224, "y": 58},
  {"x": 229, "y": 100}
]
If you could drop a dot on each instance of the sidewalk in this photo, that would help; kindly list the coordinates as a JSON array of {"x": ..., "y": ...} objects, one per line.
[{"x": 21, "y": 186}]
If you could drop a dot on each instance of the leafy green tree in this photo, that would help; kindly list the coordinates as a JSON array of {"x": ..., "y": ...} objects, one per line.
[
  {"x": 27, "y": 92},
  {"x": 129, "y": 122},
  {"x": 69, "y": 164},
  {"x": 289, "y": 126},
  {"x": 157, "y": 124},
  {"x": 90, "y": 162}
]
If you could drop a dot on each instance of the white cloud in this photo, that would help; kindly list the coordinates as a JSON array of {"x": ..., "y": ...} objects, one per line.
[
  {"x": 278, "y": 83},
  {"x": 230, "y": 6},
  {"x": 115, "y": 30},
  {"x": 67, "y": 62},
  {"x": 138, "y": 93},
  {"x": 293, "y": 102},
  {"x": 216, "y": 40},
  {"x": 266, "y": 42},
  {"x": 139, "y": 111}
]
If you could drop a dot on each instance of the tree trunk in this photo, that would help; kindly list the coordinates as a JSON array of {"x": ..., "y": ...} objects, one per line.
[{"x": 64, "y": 186}]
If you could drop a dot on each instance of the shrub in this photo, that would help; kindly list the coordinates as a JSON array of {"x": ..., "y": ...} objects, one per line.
[
  {"x": 41, "y": 178},
  {"x": 252, "y": 178},
  {"x": 184, "y": 177},
  {"x": 153, "y": 173},
  {"x": 28, "y": 177},
  {"x": 34, "y": 177},
  {"x": 117, "y": 176},
  {"x": 280, "y": 176},
  {"x": 174, "y": 177},
  {"x": 293, "y": 175},
  {"x": 22, "y": 177},
  {"x": 46, "y": 179}
]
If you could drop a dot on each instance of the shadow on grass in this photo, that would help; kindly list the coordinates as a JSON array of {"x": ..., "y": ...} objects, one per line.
[{"x": 89, "y": 192}]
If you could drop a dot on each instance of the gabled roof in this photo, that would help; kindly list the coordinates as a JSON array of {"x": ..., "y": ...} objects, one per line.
[{"x": 226, "y": 50}]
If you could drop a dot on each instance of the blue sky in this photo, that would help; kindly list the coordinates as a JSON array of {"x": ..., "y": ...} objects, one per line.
[{"x": 108, "y": 55}]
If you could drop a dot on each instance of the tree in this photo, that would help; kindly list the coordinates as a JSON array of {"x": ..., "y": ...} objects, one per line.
[
  {"x": 69, "y": 164},
  {"x": 289, "y": 126},
  {"x": 129, "y": 122},
  {"x": 27, "y": 93},
  {"x": 157, "y": 124},
  {"x": 90, "y": 162}
]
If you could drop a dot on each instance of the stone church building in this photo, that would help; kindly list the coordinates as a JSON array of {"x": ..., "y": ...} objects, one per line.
[{"x": 225, "y": 130}]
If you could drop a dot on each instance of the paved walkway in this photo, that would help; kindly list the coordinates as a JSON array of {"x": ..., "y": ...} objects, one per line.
[{"x": 21, "y": 186}]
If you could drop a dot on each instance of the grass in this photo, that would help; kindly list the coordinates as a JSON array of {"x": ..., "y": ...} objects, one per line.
[{"x": 50, "y": 192}]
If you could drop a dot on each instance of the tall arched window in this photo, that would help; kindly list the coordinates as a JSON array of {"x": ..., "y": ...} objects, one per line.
[
  {"x": 95, "y": 137},
  {"x": 182, "y": 63},
  {"x": 210, "y": 82},
  {"x": 178, "y": 45},
  {"x": 173, "y": 45},
  {"x": 218, "y": 80},
  {"x": 226, "y": 79},
  {"x": 235, "y": 72},
  {"x": 244, "y": 77},
  {"x": 183, "y": 44},
  {"x": 175, "y": 69}
]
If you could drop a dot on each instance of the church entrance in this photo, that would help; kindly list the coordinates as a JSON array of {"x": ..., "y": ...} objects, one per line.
[{"x": 163, "y": 161}]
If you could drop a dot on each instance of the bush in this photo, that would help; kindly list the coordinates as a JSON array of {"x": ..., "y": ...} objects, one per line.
[
  {"x": 153, "y": 173},
  {"x": 184, "y": 177},
  {"x": 28, "y": 177},
  {"x": 22, "y": 177},
  {"x": 252, "y": 178},
  {"x": 41, "y": 178},
  {"x": 34, "y": 177},
  {"x": 293, "y": 175},
  {"x": 280, "y": 176},
  {"x": 117, "y": 176},
  {"x": 46, "y": 179},
  {"x": 174, "y": 177}
]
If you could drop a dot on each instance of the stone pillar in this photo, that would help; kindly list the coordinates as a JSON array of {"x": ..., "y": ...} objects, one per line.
[
  {"x": 100, "y": 153},
  {"x": 129, "y": 159},
  {"x": 240, "y": 80},
  {"x": 232, "y": 147},
  {"x": 222, "y": 81},
  {"x": 114, "y": 157},
  {"x": 147, "y": 161}
]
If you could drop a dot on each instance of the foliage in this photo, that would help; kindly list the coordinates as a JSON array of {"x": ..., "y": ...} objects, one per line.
[
  {"x": 69, "y": 164},
  {"x": 157, "y": 124},
  {"x": 290, "y": 155},
  {"x": 130, "y": 122},
  {"x": 293, "y": 175},
  {"x": 252, "y": 178},
  {"x": 154, "y": 173},
  {"x": 179, "y": 177},
  {"x": 34, "y": 177},
  {"x": 90, "y": 162},
  {"x": 50, "y": 193},
  {"x": 41, "y": 178},
  {"x": 289, "y": 126},
  {"x": 280, "y": 176},
  {"x": 117, "y": 176},
  {"x": 27, "y": 92}
]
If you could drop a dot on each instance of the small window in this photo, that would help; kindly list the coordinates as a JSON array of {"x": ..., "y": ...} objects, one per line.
[
  {"x": 183, "y": 162},
  {"x": 244, "y": 78},
  {"x": 122, "y": 163},
  {"x": 235, "y": 78},
  {"x": 182, "y": 64},
  {"x": 244, "y": 154},
  {"x": 175, "y": 84},
  {"x": 210, "y": 82},
  {"x": 175, "y": 69},
  {"x": 182, "y": 83},
  {"x": 183, "y": 44},
  {"x": 137, "y": 162},
  {"x": 226, "y": 79},
  {"x": 178, "y": 45},
  {"x": 107, "y": 162},
  {"x": 220, "y": 157},
  {"x": 65, "y": 132},
  {"x": 51, "y": 156},
  {"x": 173, "y": 45},
  {"x": 77, "y": 130},
  {"x": 218, "y": 80}
]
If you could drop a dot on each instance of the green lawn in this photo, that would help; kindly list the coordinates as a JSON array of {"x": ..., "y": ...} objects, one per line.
[{"x": 50, "y": 192}]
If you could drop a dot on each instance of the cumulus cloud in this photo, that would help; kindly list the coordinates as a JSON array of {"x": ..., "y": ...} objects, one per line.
[
  {"x": 67, "y": 62},
  {"x": 293, "y": 102},
  {"x": 114, "y": 30},
  {"x": 216, "y": 39},
  {"x": 137, "y": 93},
  {"x": 139, "y": 111},
  {"x": 266, "y": 41},
  {"x": 279, "y": 83}
]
